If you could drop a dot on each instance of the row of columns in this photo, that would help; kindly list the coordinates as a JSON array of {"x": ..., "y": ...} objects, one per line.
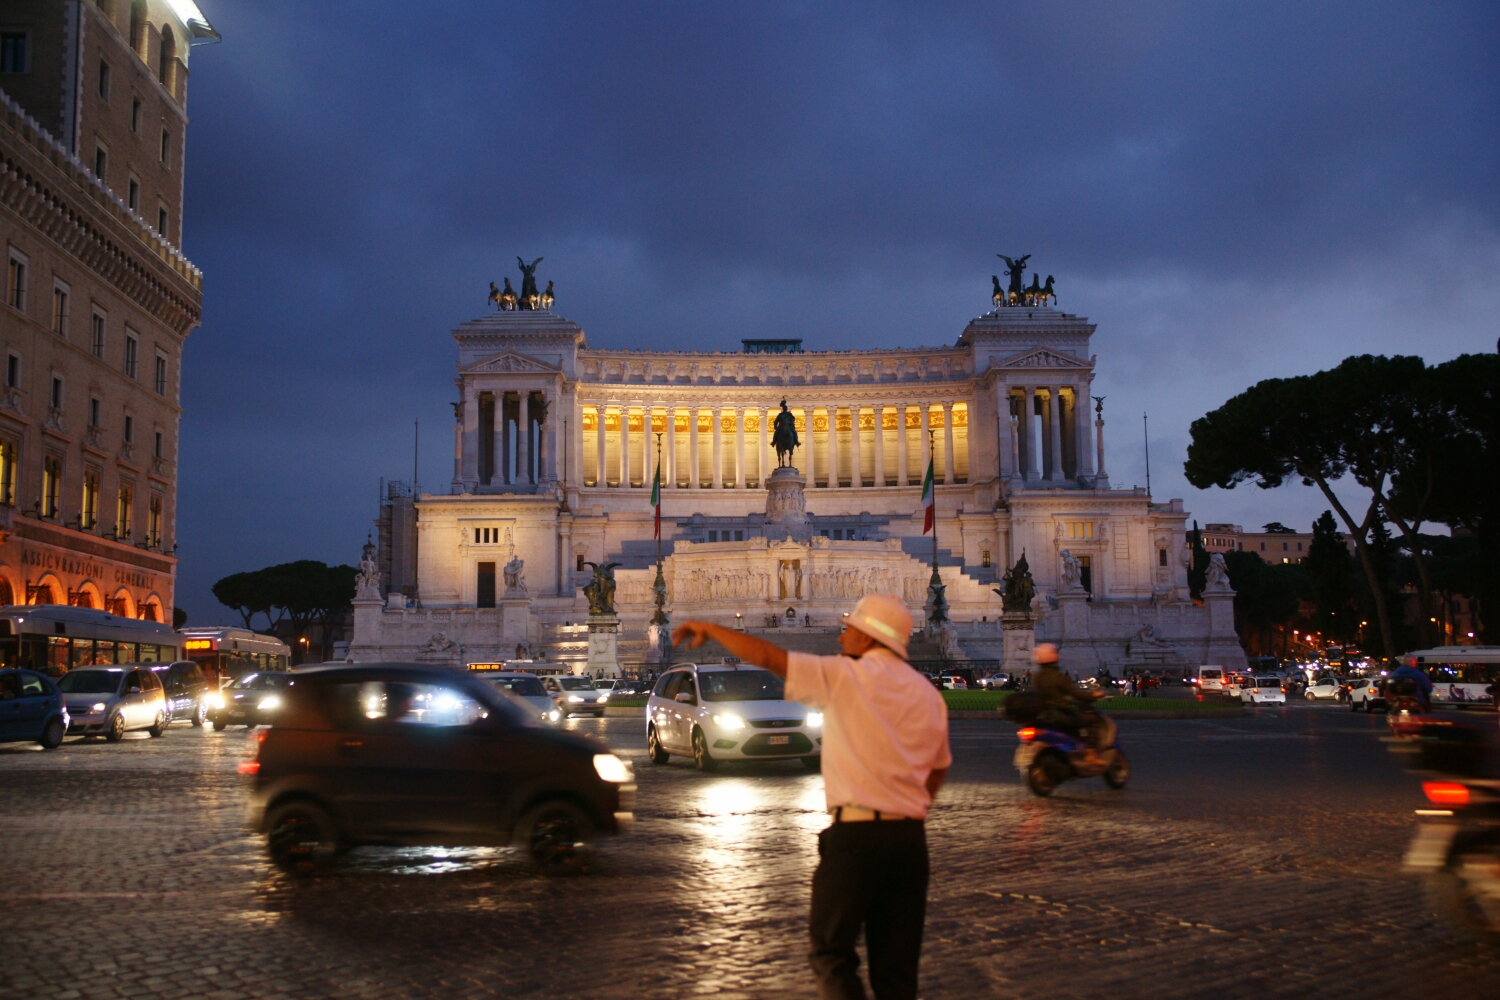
[
  {"x": 807, "y": 454},
  {"x": 1022, "y": 456},
  {"x": 537, "y": 440}
]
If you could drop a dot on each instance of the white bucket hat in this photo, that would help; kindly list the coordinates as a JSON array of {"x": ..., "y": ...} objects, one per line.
[{"x": 883, "y": 618}]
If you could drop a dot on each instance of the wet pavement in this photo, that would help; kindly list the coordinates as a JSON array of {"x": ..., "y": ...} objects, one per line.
[{"x": 1255, "y": 856}]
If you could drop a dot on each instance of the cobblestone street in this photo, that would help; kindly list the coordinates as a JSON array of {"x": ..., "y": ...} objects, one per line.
[{"x": 1256, "y": 856}]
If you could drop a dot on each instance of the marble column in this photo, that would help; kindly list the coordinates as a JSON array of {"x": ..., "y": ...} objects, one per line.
[
  {"x": 575, "y": 444},
  {"x": 471, "y": 441},
  {"x": 545, "y": 449},
  {"x": 856, "y": 448},
  {"x": 1011, "y": 422},
  {"x": 1054, "y": 421},
  {"x": 602, "y": 474},
  {"x": 1085, "y": 445},
  {"x": 833, "y": 447},
  {"x": 1099, "y": 442},
  {"x": 669, "y": 450},
  {"x": 764, "y": 469},
  {"x": 457, "y": 486},
  {"x": 1003, "y": 449},
  {"x": 1028, "y": 423},
  {"x": 718, "y": 455},
  {"x": 809, "y": 453},
  {"x": 926, "y": 414},
  {"x": 948, "y": 458},
  {"x": 879, "y": 444},
  {"x": 739, "y": 447},
  {"x": 695, "y": 472},
  {"x": 625, "y": 455},
  {"x": 523, "y": 439},
  {"x": 903, "y": 476}
]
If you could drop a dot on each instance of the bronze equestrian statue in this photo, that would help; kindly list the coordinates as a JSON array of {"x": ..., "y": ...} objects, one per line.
[{"x": 784, "y": 436}]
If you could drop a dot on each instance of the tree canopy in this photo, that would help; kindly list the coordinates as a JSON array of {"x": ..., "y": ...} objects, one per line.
[{"x": 300, "y": 593}]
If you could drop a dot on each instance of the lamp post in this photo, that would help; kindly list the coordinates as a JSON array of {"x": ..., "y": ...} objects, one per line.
[
  {"x": 939, "y": 600},
  {"x": 659, "y": 587}
]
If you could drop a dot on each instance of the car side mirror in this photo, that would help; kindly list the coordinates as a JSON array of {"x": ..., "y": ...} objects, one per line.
[
  {"x": 686, "y": 698},
  {"x": 133, "y": 690}
]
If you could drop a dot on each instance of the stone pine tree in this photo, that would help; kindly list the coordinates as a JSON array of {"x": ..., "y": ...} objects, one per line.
[
  {"x": 1265, "y": 597},
  {"x": 1330, "y": 579}
]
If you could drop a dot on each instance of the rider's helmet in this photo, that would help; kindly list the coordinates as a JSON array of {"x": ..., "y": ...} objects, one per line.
[{"x": 1044, "y": 653}]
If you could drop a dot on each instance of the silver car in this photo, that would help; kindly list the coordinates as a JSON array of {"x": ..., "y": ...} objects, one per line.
[
  {"x": 528, "y": 690},
  {"x": 109, "y": 701},
  {"x": 575, "y": 695},
  {"x": 715, "y": 713}
]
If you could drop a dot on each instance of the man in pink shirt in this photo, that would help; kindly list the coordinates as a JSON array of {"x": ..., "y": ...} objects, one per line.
[{"x": 885, "y": 755}]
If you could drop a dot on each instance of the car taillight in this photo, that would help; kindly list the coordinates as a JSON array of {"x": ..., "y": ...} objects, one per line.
[
  {"x": 1026, "y": 733},
  {"x": 248, "y": 767},
  {"x": 251, "y": 765},
  {"x": 1446, "y": 793}
]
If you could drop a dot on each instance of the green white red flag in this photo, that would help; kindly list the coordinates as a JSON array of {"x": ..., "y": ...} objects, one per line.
[
  {"x": 928, "y": 499},
  {"x": 656, "y": 497}
]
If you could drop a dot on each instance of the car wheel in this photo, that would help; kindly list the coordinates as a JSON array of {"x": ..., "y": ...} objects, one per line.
[
  {"x": 701, "y": 756},
  {"x": 1310, "y": 696},
  {"x": 557, "y": 835},
  {"x": 220, "y": 725},
  {"x": 1042, "y": 776},
  {"x": 200, "y": 715},
  {"x": 116, "y": 731},
  {"x": 813, "y": 763},
  {"x": 161, "y": 725},
  {"x": 658, "y": 752},
  {"x": 302, "y": 838},
  {"x": 1353, "y": 706},
  {"x": 52, "y": 735},
  {"x": 1118, "y": 772}
]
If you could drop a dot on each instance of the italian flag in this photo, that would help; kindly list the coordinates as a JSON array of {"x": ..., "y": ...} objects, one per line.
[
  {"x": 656, "y": 498},
  {"x": 928, "y": 499}
]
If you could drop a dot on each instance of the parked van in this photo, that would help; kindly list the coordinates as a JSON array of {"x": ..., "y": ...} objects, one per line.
[{"x": 1210, "y": 678}]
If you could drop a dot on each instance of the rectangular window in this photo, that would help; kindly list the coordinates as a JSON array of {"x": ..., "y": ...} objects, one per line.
[
  {"x": 104, "y": 80},
  {"x": 135, "y": 115},
  {"x": 161, "y": 375},
  {"x": 166, "y": 147},
  {"x": 157, "y": 452},
  {"x": 129, "y": 428},
  {"x": 7, "y": 473},
  {"x": 60, "y": 309},
  {"x": 713, "y": 536},
  {"x": 13, "y": 371},
  {"x": 133, "y": 195},
  {"x": 51, "y": 483},
  {"x": 101, "y": 163},
  {"x": 94, "y": 405},
  {"x": 1161, "y": 557},
  {"x": 153, "y": 524},
  {"x": 15, "y": 286},
  {"x": 132, "y": 355},
  {"x": 89, "y": 516},
  {"x": 57, "y": 393},
  {"x": 122, "y": 514},
  {"x": 13, "y": 52},
  {"x": 161, "y": 220},
  {"x": 96, "y": 342},
  {"x": 486, "y": 585}
]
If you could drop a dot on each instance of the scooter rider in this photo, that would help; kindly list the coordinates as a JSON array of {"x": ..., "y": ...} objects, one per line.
[
  {"x": 1065, "y": 705},
  {"x": 1413, "y": 682}
]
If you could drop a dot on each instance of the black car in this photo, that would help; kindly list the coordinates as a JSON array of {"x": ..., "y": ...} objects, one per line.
[
  {"x": 252, "y": 700},
  {"x": 187, "y": 691},
  {"x": 405, "y": 754}
]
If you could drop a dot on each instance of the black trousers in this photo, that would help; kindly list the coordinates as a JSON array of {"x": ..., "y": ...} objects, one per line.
[{"x": 871, "y": 875}]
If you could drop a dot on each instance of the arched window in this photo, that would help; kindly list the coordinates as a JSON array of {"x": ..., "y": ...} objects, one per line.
[
  {"x": 138, "y": 27},
  {"x": 7, "y": 596},
  {"x": 166, "y": 72}
]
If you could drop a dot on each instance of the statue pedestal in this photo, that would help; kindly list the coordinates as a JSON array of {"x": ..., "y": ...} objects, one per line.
[
  {"x": 786, "y": 499},
  {"x": 1019, "y": 630},
  {"x": 658, "y": 643},
  {"x": 367, "y": 611},
  {"x": 604, "y": 639}
]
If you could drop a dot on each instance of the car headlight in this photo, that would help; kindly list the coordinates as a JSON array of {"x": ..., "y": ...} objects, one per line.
[
  {"x": 269, "y": 702},
  {"x": 574, "y": 699},
  {"x": 97, "y": 707},
  {"x": 554, "y": 715},
  {"x": 729, "y": 722},
  {"x": 814, "y": 719},
  {"x": 612, "y": 769},
  {"x": 216, "y": 701},
  {"x": 603, "y": 698}
]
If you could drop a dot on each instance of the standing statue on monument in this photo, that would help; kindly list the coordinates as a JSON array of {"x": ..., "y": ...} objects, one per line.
[
  {"x": 530, "y": 297},
  {"x": 784, "y": 436},
  {"x": 1018, "y": 588},
  {"x": 1017, "y": 271},
  {"x": 515, "y": 579},
  {"x": 600, "y": 591},
  {"x": 1072, "y": 571}
]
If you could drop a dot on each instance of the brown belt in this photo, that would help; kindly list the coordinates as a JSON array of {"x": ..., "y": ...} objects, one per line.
[{"x": 859, "y": 814}]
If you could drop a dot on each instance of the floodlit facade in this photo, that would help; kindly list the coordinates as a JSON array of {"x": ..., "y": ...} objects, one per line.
[{"x": 556, "y": 444}]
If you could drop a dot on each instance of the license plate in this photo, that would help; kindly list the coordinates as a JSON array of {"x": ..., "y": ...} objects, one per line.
[
  {"x": 778, "y": 741},
  {"x": 1025, "y": 754}
]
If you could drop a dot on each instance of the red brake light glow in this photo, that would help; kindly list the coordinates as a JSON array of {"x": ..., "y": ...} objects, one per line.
[
  {"x": 1446, "y": 793},
  {"x": 249, "y": 767},
  {"x": 1026, "y": 733}
]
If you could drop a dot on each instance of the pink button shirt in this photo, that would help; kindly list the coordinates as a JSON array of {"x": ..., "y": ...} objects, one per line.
[{"x": 885, "y": 728}]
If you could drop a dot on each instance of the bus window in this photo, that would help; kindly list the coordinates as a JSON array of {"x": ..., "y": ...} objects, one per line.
[{"x": 58, "y": 656}]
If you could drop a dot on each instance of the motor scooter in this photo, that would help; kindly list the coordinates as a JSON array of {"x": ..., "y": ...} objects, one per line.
[
  {"x": 1048, "y": 757},
  {"x": 1457, "y": 844}
]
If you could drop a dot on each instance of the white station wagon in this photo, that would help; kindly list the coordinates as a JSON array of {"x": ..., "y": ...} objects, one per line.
[{"x": 719, "y": 713}]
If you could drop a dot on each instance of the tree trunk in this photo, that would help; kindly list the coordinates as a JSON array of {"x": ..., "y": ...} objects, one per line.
[{"x": 1358, "y": 533}]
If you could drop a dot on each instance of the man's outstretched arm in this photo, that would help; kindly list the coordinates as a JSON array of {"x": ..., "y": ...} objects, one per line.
[{"x": 746, "y": 647}]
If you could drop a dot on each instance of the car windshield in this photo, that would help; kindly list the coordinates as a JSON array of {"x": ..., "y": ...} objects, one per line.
[
  {"x": 261, "y": 682},
  {"x": 575, "y": 683},
  {"x": 741, "y": 685},
  {"x": 1268, "y": 682},
  {"x": 91, "y": 681},
  {"x": 524, "y": 687}
]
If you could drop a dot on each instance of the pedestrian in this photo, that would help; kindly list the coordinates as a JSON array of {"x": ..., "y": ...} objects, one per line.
[{"x": 885, "y": 755}]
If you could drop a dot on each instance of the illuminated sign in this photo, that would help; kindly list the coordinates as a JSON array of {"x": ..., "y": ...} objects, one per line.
[
  {"x": 486, "y": 666},
  {"x": 199, "y": 644}
]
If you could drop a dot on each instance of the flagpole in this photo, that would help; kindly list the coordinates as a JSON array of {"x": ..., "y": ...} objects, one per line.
[
  {"x": 659, "y": 587},
  {"x": 939, "y": 601}
]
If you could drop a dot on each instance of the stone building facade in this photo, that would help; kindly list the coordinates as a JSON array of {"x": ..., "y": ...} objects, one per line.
[
  {"x": 556, "y": 443},
  {"x": 98, "y": 299}
]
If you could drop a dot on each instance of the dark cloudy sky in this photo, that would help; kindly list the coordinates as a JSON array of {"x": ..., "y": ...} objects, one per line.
[{"x": 1232, "y": 192}]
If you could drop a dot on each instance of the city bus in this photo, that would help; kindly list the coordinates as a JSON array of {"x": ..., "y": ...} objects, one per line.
[
  {"x": 1461, "y": 675},
  {"x": 227, "y": 653},
  {"x": 54, "y": 638}
]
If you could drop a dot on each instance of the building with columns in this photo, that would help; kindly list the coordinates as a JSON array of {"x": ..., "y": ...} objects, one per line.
[{"x": 556, "y": 443}]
